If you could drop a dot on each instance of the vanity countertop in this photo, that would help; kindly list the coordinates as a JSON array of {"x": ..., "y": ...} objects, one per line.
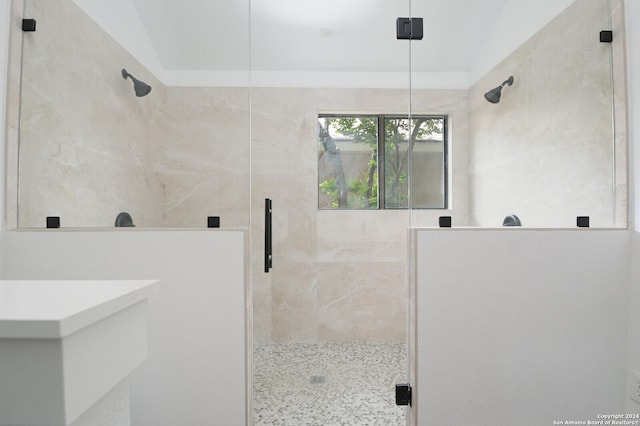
[{"x": 55, "y": 309}]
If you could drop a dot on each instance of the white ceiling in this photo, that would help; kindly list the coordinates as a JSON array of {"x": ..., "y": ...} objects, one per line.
[
  {"x": 184, "y": 41},
  {"x": 315, "y": 35}
]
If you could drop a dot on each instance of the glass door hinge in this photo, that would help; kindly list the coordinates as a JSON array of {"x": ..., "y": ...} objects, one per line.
[{"x": 403, "y": 394}]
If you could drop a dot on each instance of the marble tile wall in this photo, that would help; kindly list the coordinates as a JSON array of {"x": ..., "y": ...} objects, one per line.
[
  {"x": 85, "y": 149},
  {"x": 338, "y": 276},
  {"x": 545, "y": 152},
  {"x": 201, "y": 152},
  {"x": 13, "y": 116},
  {"x": 89, "y": 148},
  {"x": 621, "y": 148}
]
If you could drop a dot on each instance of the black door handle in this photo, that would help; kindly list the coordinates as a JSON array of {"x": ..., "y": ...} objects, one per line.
[{"x": 268, "y": 236}]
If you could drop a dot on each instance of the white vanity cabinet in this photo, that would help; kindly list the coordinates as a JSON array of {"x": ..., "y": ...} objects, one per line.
[{"x": 66, "y": 345}]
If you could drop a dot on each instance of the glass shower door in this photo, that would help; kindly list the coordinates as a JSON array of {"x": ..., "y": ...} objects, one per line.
[{"x": 330, "y": 316}]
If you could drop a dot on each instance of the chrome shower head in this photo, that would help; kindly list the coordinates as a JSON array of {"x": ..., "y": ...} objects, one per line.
[
  {"x": 493, "y": 95},
  {"x": 141, "y": 88}
]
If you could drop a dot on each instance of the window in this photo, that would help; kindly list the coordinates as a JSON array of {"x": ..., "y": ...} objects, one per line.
[{"x": 362, "y": 167}]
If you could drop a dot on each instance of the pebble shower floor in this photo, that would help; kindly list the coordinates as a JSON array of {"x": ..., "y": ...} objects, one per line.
[{"x": 328, "y": 384}]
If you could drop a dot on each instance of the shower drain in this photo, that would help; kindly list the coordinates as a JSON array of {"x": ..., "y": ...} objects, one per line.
[{"x": 316, "y": 379}]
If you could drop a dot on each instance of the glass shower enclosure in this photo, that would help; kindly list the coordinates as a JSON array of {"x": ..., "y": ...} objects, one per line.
[{"x": 327, "y": 135}]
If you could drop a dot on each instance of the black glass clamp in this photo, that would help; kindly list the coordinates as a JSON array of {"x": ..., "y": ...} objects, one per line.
[
  {"x": 409, "y": 29},
  {"x": 53, "y": 222},
  {"x": 213, "y": 221},
  {"x": 606, "y": 36},
  {"x": 444, "y": 221},
  {"x": 582, "y": 221},
  {"x": 28, "y": 25}
]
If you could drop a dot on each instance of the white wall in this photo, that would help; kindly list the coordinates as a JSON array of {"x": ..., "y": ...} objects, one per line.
[
  {"x": 521, "y": 327},
  {"x": 195, "y": 371},
  {"x": 120, "y": 19},
  {"x": 5, "y": 6},
  {"x": 634, "y": 320},
  {"x": 518, "y": 21},
  {"x": 632, "y": 10},
  {"x": 4, "y": 59},
  {"x": 632, "y": 15}
]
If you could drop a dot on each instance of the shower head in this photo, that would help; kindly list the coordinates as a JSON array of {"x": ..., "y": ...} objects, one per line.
[
  {"x": 493, "y": 95},
  {"x": 141, "y": 88}
]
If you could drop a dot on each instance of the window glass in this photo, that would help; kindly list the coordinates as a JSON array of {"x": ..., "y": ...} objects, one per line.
[
  {"x": 348, "y": 163},
  {"x": 360, "y": 167},
  {"x": 428, "y": 168}
]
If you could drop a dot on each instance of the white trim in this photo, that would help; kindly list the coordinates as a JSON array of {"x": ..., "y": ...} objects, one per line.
[{"x": 381, "y": 80}]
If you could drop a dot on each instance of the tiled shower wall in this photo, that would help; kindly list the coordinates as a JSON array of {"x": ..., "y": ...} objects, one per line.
[
  {"x": 90, "y": 149},
  {"x": 545, "y": 152},
  {"x": 201, "y": 144},
  {"x": 338, "y": 276},
  {"x": 85, "y": 146}
]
